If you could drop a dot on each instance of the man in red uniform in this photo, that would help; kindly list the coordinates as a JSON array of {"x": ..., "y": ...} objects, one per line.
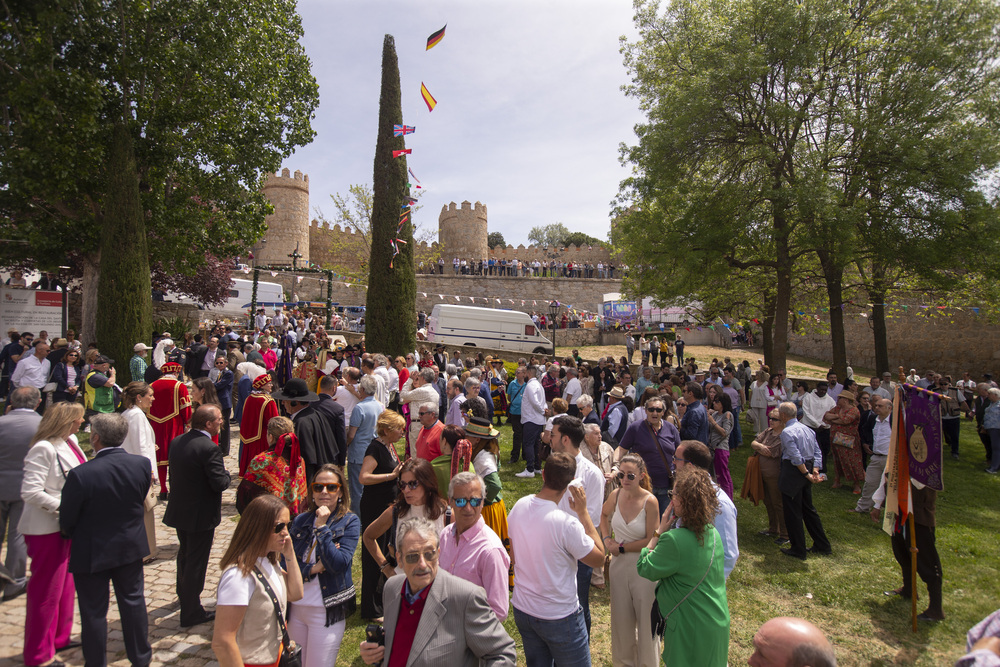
[
  {"x": 258, "y": 410},
  {"x": 168, "y": 415}
]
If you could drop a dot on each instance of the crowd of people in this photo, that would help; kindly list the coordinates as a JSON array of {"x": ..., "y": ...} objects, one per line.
[
  {"x": 517, "y": 268},
  {"x": 342, "y": 450}
]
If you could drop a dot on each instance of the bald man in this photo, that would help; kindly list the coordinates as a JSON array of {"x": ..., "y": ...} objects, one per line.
[{"x": 791, "y": 642}]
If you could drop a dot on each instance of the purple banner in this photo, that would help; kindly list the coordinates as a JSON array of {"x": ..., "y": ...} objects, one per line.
[{"x": 923, "y": 430}]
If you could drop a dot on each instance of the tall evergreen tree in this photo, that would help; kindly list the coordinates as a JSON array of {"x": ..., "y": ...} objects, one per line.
[{"x": 392, "y": 290}]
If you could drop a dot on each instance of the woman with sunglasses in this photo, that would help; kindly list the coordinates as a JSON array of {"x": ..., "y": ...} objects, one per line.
[
  {"x": 380, "y": 470},
  {"x": 248, "y": 630},
  {"x": 324, "y": 539},
  {"x": 767, "y": 448},
  {"x": 68, "y": 375},
  {"x": 628, "y": 521},
  {"x": 418, "y": 497}
]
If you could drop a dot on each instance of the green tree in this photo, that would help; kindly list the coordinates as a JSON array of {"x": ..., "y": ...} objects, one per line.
[
  {"x": 579, "y": 239},
  {"x": 211, "y": 97},
  {"x": 495, "y": 239},
  {"x": 392, "y": 287},
  {"x": 548, "y": 235}
]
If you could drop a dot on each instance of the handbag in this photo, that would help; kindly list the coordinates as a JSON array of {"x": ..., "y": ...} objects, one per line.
[
  {"x": 843, "y": 440},
  {"x": 149, "y": 502},
  {"x": 658, "y": 622},
  {"x": 291, "y": 656}
]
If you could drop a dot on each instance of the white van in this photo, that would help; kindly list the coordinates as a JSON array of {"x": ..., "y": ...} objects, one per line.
[
  {"x": 486, "y": 327},
  {"x": 241, "y": 292}
]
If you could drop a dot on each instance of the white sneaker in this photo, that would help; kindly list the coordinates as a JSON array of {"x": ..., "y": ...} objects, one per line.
[
  {"x": 538, "y": 473},
  {"x": 525, "y": 473}
]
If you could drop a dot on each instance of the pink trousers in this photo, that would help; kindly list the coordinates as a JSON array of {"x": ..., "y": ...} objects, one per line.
[{"x": 50, "y": 597}]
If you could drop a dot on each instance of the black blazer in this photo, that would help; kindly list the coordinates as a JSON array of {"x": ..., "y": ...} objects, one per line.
[
  {"x": 102, "y": 512},
  {"x": 198, "y": 476},
  {"x": 334, "y": 412}
]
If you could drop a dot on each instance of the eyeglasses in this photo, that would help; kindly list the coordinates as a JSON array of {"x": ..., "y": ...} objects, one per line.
[
  {"x": 631, "y": 476},
  {"x": 681, "y": 405},
  {"x": 278, "y": 527},
  {"x": 429, "y": 556},
  {"x": 678, "y": 459},
  {"x": 427, "y": 412},
  {"x": 413, "y": 484},
  {"x": 773, "y": 419},
  {"x": 462, "y": 502},
  {"x": 654, "y": 409},
  {"x": 330, "y": 488}
]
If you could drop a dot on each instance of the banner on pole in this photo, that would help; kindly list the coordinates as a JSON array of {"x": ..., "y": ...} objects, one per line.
[{"x": 924, "y": 434}]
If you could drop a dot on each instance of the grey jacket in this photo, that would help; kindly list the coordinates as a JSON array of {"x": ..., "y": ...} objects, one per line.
[
  {"x": 457, "y": 628},
  {"x": 17, "y": 428}
]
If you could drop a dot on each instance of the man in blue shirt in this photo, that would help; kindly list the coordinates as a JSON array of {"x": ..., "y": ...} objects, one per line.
[
  {"x": 694, "y": 423},
  {"x": 515, "y": 391},
  {"x": 360, "y": 434},
  {"x": 801, "y": 460}
]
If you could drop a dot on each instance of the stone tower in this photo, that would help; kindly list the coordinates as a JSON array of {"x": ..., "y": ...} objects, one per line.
[
  {"x": 462, "y": 231},
  {"x": 288, "y": 226}
]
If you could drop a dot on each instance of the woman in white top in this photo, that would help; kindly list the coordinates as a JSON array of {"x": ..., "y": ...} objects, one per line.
[
  {"x": 758, "y": 401},
  {"x": 628, "y": 521},
  {"x": 419, "y": 497},
  {"x": 141, "y": 441},
  {"x": 50, "y": 592},
  {"x": 248, "y": 631}
]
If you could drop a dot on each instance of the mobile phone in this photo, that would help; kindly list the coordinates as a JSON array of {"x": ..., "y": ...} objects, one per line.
[{"x": 375, "y": 634}]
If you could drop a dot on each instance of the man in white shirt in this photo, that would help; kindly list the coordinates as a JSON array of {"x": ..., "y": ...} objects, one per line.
[
  {"x": 33, "y": 370},
  {"x": 547, "y": 544},
  {"x": 875, "y": 388},
  {"x": 881, "y": 436},
  {"x": 348, "y": 394},
  {"x": 815, "y": 404},
  {"x": 572, "y": 391},
  {"x": 567, "y": 436},
  {"x": 833, "y": 388},
  {"x": 697, "y": 454},
  {"x": 381, "y": 392},
  {"x": 532, "y": 422}
]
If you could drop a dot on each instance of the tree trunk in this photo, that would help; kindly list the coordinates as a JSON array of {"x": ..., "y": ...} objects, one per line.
[
  {"x": 783, "y": 287},
  {"x": 392, "y": 290},
  {"x": 879, "y": 333},
  {"x": 767, "y": 331},
  {"x": 834, "y": 277},
  {"x": 124, "y": 306},
  {"x": 91, "y": 277}
]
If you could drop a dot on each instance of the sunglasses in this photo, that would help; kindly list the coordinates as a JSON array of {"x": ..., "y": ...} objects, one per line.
[
  {"x": 412, "y": 485},
  {"x": 631, "y": 476},
  {"x": 773, "y": 419},
  {"x": 329, "y": 488},
  {"x": 462, "y": 502},
  {"x": 429, "y": 556},
  {"x": 278, "y": 527},
  {"x": 427, "y": 412},
  {"x": 681, "y": 405},
  {"x": 654, "y": 409}
]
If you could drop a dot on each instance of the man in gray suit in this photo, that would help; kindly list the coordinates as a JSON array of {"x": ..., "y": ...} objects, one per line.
[
  {"x": 17, "y": 428},
  {"x": 433, "y": 618}
]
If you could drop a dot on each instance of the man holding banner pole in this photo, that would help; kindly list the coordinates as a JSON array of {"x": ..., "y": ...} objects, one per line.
[{"x": 914, "y": 456}]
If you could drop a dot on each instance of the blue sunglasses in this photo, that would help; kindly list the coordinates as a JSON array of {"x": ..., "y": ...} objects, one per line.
[{"x": 462, "y": 502}]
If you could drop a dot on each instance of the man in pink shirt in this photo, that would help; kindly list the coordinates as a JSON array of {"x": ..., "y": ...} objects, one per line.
[{"x": 469, "y": 549}]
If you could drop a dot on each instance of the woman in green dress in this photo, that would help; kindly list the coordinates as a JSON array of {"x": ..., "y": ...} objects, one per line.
[{"x": 685, "y": 557}]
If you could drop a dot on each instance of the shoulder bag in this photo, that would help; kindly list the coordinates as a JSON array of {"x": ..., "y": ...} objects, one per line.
[
  {"x": 658, "y": 620},
  {"x": 291, "y": 656},
  {"x": 659, "y": 448}
]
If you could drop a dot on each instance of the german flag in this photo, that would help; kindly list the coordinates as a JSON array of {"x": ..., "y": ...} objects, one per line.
[
  {"x": 433, "y": 40},
  {"x": 428, "y": 98}
]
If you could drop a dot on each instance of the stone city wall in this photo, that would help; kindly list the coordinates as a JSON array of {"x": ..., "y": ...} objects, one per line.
[
  {"x": 286, "y": 227},
  {"x": 949, "y": 342}
]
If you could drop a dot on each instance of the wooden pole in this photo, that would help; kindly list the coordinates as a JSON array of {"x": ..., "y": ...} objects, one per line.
[{"x": 913, "y": 570}]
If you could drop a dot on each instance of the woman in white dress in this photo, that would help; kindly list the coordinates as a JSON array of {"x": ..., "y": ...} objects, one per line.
[
  {"x": 136, "y": 400},
  {"x": 628, "y": 521},
  {"x": 758, "y": 401}
]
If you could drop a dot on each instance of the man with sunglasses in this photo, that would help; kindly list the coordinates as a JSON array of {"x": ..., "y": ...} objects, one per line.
[
  {"x": 433, "y": 618},
  {"x": 470, "y": 549}
]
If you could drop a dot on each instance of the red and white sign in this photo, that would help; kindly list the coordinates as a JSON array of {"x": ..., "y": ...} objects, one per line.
[{"x": 33, "y": 310}]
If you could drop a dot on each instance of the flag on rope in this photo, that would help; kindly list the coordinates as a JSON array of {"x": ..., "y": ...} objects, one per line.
[
  {"x": 413, "y": 175},
  {"x": 403, "y": 130},
  {"x": 428, "y": 98},
  {"x": 405, "y": 151},
  {"x": 435, "y": 38}
]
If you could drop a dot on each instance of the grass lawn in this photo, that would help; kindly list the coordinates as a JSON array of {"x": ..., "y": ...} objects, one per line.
[{"x": 843, "y": 593}]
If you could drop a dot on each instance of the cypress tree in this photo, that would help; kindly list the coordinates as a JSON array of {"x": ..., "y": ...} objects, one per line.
[
  {"x": 390, "y": 320},
  {"x": 124, "y": 297}
]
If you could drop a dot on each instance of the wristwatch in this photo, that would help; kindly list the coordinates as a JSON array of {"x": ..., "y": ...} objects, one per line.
[{"x": 621, "y": 547}]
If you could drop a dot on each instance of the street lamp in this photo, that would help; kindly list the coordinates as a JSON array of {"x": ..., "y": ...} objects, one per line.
[{"x": 553, "y": 311}]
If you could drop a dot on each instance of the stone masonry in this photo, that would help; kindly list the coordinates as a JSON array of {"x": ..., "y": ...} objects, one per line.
[{"x": 288, "y": 226}]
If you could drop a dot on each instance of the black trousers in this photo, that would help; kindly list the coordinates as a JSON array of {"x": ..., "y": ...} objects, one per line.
[
  {"x": 93, "y": 597},
  {"x": 193, "y": 552},
  {"x": 224, "y": 431},
  {"x": 984, "y": 437},
  {"x": 823, "y": 440},
  {"x": 928, "y": 562},
  {"x": 518, "y": 429},
  {"x": 951, "y": 429},
  {"x": 798, "y": 509}
]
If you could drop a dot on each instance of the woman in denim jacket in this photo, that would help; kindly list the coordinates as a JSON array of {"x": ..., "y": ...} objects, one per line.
[{"x": 325, "y": 540}]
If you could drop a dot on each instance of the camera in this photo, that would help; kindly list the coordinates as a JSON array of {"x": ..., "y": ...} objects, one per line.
[{"x": 375, "y": 634}]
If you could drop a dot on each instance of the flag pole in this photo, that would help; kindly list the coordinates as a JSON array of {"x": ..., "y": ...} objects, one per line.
[{"x": 913, "y": 570}]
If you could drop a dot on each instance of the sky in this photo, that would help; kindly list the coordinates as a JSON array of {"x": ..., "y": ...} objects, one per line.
[{"x": 529, "y": 116}]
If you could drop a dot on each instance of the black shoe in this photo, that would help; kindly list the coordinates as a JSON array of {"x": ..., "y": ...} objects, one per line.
[
  {"x": 198, "y": 620},
  {"x": 164, "y": 495},
  {"x": 69, "y": 646},
  {"x": 781, "y": 541},
  {"x": 954, "y": 456},
  {"x": 927, "y": 616},
  {"x": 789, "y": 552},
  {"x": 814, "y": 550}
]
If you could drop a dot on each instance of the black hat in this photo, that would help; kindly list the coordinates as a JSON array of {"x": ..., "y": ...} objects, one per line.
[
  {"x": 101, "y": 359},
  {"x": 295, "y": 390}
]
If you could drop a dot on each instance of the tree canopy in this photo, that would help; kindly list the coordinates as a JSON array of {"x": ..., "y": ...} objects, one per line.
[
  {"x": 558, "y": 235},
  {"x": 495, "y": 239}
]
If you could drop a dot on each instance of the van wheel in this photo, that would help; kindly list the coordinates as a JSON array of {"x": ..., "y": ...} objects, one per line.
[
  {"x": 469, "y": 344},
  {"x": 540, "y": 350}
]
